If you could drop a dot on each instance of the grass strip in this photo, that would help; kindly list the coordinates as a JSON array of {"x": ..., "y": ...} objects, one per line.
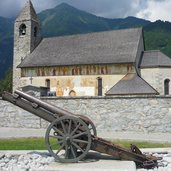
[
  {"x": 39, "y": 144},
  {"x": 23, "y": 144}
]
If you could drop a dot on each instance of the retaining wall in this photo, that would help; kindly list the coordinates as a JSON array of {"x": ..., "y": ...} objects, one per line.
[{"x": 137, "y": 114}]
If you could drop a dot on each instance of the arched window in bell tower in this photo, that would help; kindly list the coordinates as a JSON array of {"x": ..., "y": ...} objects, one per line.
[
  {"x": 166, "y": 86},
  {"x": 35, "y": 31},
  {"x": 22, "y": 30}
]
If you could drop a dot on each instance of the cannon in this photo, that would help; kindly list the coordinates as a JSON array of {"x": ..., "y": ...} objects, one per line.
[{"x": 69, "y": 137}]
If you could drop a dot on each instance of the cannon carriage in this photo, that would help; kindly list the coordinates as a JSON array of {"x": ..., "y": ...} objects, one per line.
[{"x": 70, "y": 137}]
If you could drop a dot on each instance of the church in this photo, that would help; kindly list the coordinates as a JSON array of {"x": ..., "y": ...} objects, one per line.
[{"x": 109, "y": 63}]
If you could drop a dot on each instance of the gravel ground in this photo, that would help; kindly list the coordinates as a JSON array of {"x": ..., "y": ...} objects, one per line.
[
  {"x": 25, "y": 162},
  {"x": 163, "y": 165},
  {"x": 34, "y": 161}
]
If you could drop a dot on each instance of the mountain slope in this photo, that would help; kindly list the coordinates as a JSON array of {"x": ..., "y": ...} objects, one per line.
[
  {"x": 65, "y": 20},
  {"x": 158, "y": 36},
  {"x": 6, "y": 45}
]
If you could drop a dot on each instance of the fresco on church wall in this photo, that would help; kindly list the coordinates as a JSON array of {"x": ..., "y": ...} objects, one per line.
[
  {"x": 76, "y": 70},
  {"x": 74, "y": 85},
  {"x": 76, "y": 80}
]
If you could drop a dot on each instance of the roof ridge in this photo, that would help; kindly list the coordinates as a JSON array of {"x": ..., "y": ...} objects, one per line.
[
  {"x": 83, "y": 34},
  {"x": 148, "y": 51}
]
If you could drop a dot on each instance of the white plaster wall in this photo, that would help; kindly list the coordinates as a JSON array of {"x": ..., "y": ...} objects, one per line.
[
  {"x": 70, "y": 81},
  {"x": 156, "y": 76}
]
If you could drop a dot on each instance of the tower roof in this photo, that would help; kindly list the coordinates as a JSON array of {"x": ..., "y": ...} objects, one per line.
[
  {"x": 155, "y": 59},
  {"x": 27, "y": 13}
]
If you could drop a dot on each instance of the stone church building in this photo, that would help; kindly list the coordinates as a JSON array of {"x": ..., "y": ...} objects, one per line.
[{"x": 95, "y": 64}]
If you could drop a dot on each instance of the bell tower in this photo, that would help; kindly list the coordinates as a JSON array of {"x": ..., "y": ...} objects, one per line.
[{"x": 27, "y": 35}]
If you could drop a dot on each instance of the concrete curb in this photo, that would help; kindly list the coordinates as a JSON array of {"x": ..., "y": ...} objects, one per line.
[{"x": 140, "y": 136}]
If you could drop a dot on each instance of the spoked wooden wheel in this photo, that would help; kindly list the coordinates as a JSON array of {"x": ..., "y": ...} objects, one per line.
[
  {"x": 68, "y": 139},
  {"x": 91, "y": 125}
]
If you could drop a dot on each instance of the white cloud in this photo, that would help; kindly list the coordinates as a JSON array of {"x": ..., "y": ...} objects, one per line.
[
  {"x": 155, "y": 10},
  {"x": 105, "y": 8},
  {"x": 147, "y": 9},
  {"x": 44, "y": 4},
  {"x": 9, "y": 7}
]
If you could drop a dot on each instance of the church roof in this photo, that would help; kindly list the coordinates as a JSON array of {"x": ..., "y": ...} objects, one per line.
[
  {"x": 132, "y": 84},
  {"x": 28, "y": 13},
  {"x": 156, "y": 58},
  {"x": 118, "y": 46}
]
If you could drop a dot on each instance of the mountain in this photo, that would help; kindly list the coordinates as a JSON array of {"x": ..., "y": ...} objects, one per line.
[
  {"x": 158, "y": 36},
  {"x": 6, "y": 44},
  {"x": 65, "y": 20}
]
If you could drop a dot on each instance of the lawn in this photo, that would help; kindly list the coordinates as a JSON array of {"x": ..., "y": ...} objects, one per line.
[{"x": 39, "y": 144}]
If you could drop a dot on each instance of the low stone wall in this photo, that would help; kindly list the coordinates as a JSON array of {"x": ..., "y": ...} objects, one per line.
[{"x": 137, "y": 114}]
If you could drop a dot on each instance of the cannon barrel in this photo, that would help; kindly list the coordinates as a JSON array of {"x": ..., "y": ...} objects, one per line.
[
  {"x": 49, "y": 107},
  {"x": 40, "y": 108}
]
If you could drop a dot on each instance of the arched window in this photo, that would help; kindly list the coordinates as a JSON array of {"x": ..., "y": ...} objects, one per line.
[
  {"x": 48, "y": 83},
  {"x": 35, "y": 31},
  {"x": 22, "y": 30},
  {"x": 99, "y": 79},
  {"x": 166, "y": 86}
]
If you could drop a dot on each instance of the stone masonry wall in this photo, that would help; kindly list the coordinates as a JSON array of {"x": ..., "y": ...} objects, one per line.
[{"x": 140, "y": 114}]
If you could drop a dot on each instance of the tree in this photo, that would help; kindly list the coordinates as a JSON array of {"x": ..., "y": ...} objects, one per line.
[{"x": 6, "y": 83}]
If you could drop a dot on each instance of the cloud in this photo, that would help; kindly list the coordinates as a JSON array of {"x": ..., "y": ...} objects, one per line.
[
  {"x": 9, "y": 8},
  {"x": 147, "y": 9},
  {"x": 44, "y": 4},
  {"x": 105, "y": 8},
  {"x": 156, "y": 9}
]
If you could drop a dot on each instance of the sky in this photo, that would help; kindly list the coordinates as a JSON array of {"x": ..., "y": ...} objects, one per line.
[{"x": 147, "y": 9}]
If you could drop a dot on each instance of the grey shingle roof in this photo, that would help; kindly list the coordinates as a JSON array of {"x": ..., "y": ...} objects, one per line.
[
  {"x": 155, "y": 58},
  {"x": 119, "y": 46},
  {"x": 131, "y": 84},
  {"x": 27, "y": 13}
]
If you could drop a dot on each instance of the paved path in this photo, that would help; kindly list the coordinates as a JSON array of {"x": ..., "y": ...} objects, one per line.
[{"x": 22, "y": 132}]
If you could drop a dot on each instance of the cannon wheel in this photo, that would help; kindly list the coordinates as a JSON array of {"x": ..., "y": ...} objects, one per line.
[
  {"x": 68, "y": 139},
  {"x": 91, "y": 125}
]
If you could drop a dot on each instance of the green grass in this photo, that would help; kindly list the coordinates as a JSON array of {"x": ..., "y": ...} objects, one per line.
[
  {"x": 23, "y": 144},
  {"x": 142, "y": 144},
  {"x": 39, "y": 144}
]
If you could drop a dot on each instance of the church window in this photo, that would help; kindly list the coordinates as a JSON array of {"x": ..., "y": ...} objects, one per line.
[
  {"x": 22, "y": 30},
  {"x": 48, "y": 83},
  {"x": 99, "y": 79},
  {"x": 35, "y": 31},
  {"x": 166, "y": 86}
]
